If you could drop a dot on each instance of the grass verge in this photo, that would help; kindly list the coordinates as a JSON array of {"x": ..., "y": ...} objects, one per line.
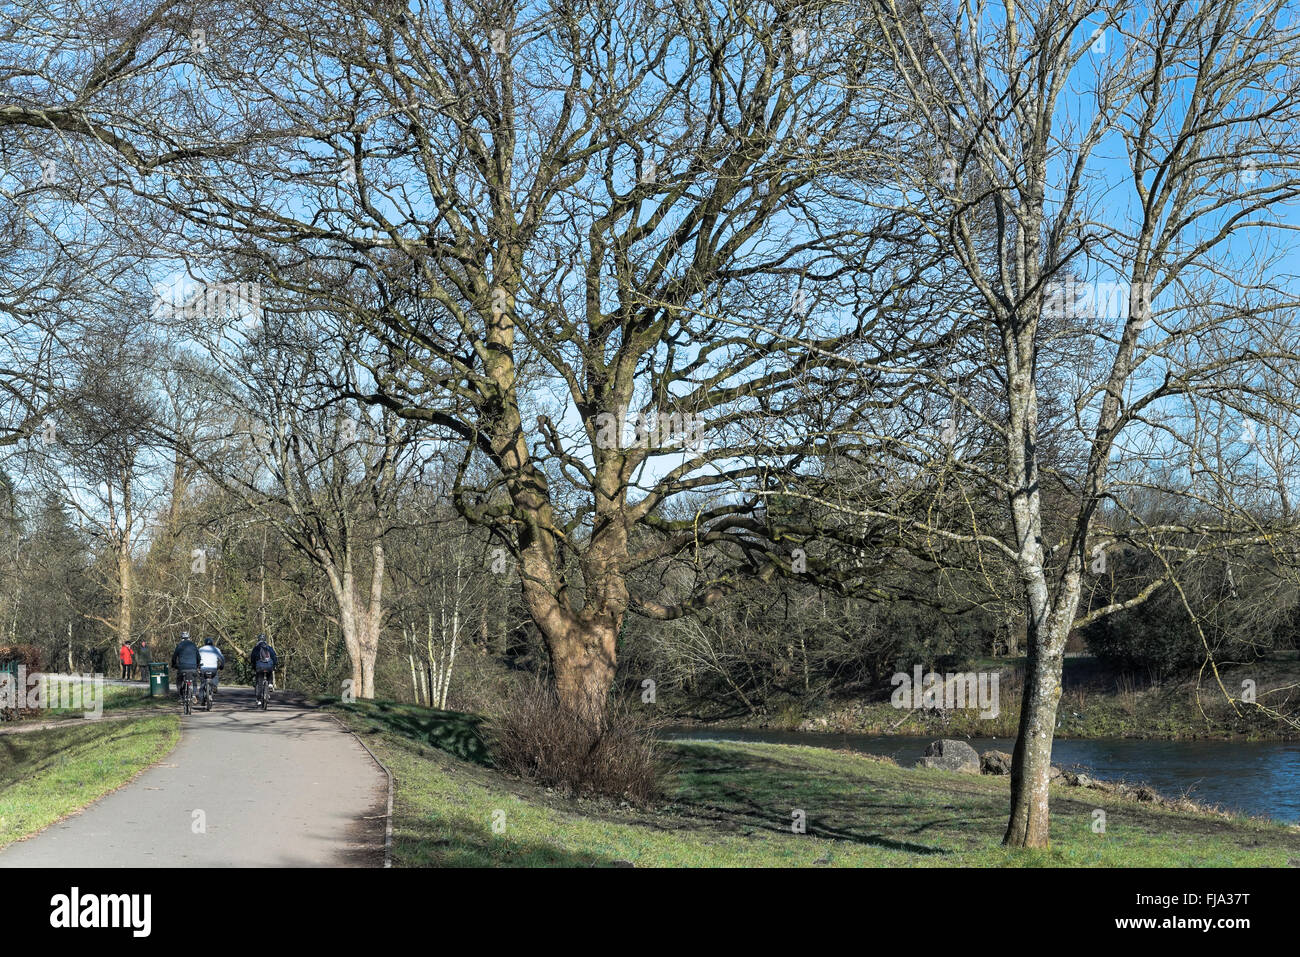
[
  {"x": 46, "y": 775},
  {"x": 734, "y": 805},
  {"x": 122, "y": 698}
]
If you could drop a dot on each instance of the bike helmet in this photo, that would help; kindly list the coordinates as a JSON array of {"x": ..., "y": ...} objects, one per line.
[
  {"x": 207, "y": 641},
  {"x": 261, "y": 637},
  {"x": 185, "y": 636}
]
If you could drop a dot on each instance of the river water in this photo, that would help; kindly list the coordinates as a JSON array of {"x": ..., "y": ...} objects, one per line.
[{"x": 1260, "y": 778}]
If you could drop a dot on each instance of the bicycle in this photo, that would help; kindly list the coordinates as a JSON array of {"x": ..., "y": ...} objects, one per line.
[
  {"x": 260, "y": 689},
  {"x": 205, "y": 691},
  {"x": 186, "y": 689}
]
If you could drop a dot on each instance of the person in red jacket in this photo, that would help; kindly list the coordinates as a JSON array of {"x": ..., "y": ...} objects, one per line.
[{"x": 127, "y": 657}]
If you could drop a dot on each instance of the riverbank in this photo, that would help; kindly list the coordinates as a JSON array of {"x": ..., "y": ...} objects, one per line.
[
  {"x": 739, "y": 805},
  {"x": 1095, "y": 703}
]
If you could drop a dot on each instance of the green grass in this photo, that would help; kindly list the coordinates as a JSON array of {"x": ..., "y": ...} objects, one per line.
[
  {"x": 118, "y": 698},
  {"x": 450, "y": 731},
  {"x": 46, "y": 775},
  {"x": 732, "y": 804}
]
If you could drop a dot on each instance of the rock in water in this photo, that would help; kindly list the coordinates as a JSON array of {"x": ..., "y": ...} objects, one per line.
[
  {"x": 951, "y": 755},
  {"x": 995, "y": 762}
]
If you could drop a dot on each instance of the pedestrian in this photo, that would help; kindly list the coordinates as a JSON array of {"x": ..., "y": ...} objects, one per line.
[{"x": 127, "y": 657}]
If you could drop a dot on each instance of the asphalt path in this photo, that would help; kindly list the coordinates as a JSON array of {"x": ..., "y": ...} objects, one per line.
[{"x": 285, "y": 787}]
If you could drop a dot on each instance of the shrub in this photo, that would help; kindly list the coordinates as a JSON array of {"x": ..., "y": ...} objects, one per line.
[
  {"x": 541, "y": 741},
  {"x": 1157, "y": 638},
  {"x": 27, "y": 656},
  {"x": 1241, "y": 618}
]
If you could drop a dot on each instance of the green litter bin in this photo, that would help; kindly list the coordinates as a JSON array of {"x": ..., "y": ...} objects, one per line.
[{"x": 158, "y": 683}]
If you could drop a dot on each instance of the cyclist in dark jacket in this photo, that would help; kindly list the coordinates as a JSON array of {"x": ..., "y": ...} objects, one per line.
[
  {"x": 263, "y": 659},
  {"x": 185, "y": 659},
  {"x": 260, "y": 662}
]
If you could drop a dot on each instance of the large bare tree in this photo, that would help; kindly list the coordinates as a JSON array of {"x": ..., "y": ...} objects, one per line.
[{"x": 619, "y": 251}]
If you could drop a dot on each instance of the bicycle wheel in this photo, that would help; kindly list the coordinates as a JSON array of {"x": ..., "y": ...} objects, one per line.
[{"x": 185, "y": 695}]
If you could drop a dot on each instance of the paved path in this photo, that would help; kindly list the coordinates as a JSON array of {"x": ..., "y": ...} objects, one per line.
[{"x": 288, "y": 787}]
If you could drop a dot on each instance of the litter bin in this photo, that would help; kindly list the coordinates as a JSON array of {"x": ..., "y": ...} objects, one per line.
[{"x": 158, "y": 683}]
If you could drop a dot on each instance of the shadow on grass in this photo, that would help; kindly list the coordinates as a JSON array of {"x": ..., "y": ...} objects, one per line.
[
  {"x": 23, "y": 757},
  {"x": 418, "y": 846},
  {"x": 459, "y": 734},
  {"x": 753, "y": 793}
]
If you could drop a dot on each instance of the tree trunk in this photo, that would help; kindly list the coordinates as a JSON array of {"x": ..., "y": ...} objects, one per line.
[
  {"x": 348, "y": 625},
  {"x": 368, "y": 639},
  {"x": 369, "y": 649},
  {"x": 359, "y": 621},
  {"x": 410, "y": 656},
  {"x": 1015, "y": 639},
  {"x": 1031, "y": 766},
  {"x": 584, "y": 661},
  {"x": 124, "y": 589}
]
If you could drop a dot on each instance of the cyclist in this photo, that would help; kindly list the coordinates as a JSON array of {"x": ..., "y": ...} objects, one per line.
[
  {"x": 185, "y": 660},
  {"x": 263, "y": 659},
  {"x": 211, "y": 660}
]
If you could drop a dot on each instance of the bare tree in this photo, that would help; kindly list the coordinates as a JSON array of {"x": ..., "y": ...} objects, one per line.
[
  {"x": 1111, "y": 183},
  {"x": 619, "y": 249},
  {"x": 444, "y": 586},
  {"x": 100, "y": 459},
  {"x": 324, "y": 473}
]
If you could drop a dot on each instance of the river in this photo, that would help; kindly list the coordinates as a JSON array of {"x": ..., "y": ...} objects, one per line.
[{"x": 1259, "y": 778}]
